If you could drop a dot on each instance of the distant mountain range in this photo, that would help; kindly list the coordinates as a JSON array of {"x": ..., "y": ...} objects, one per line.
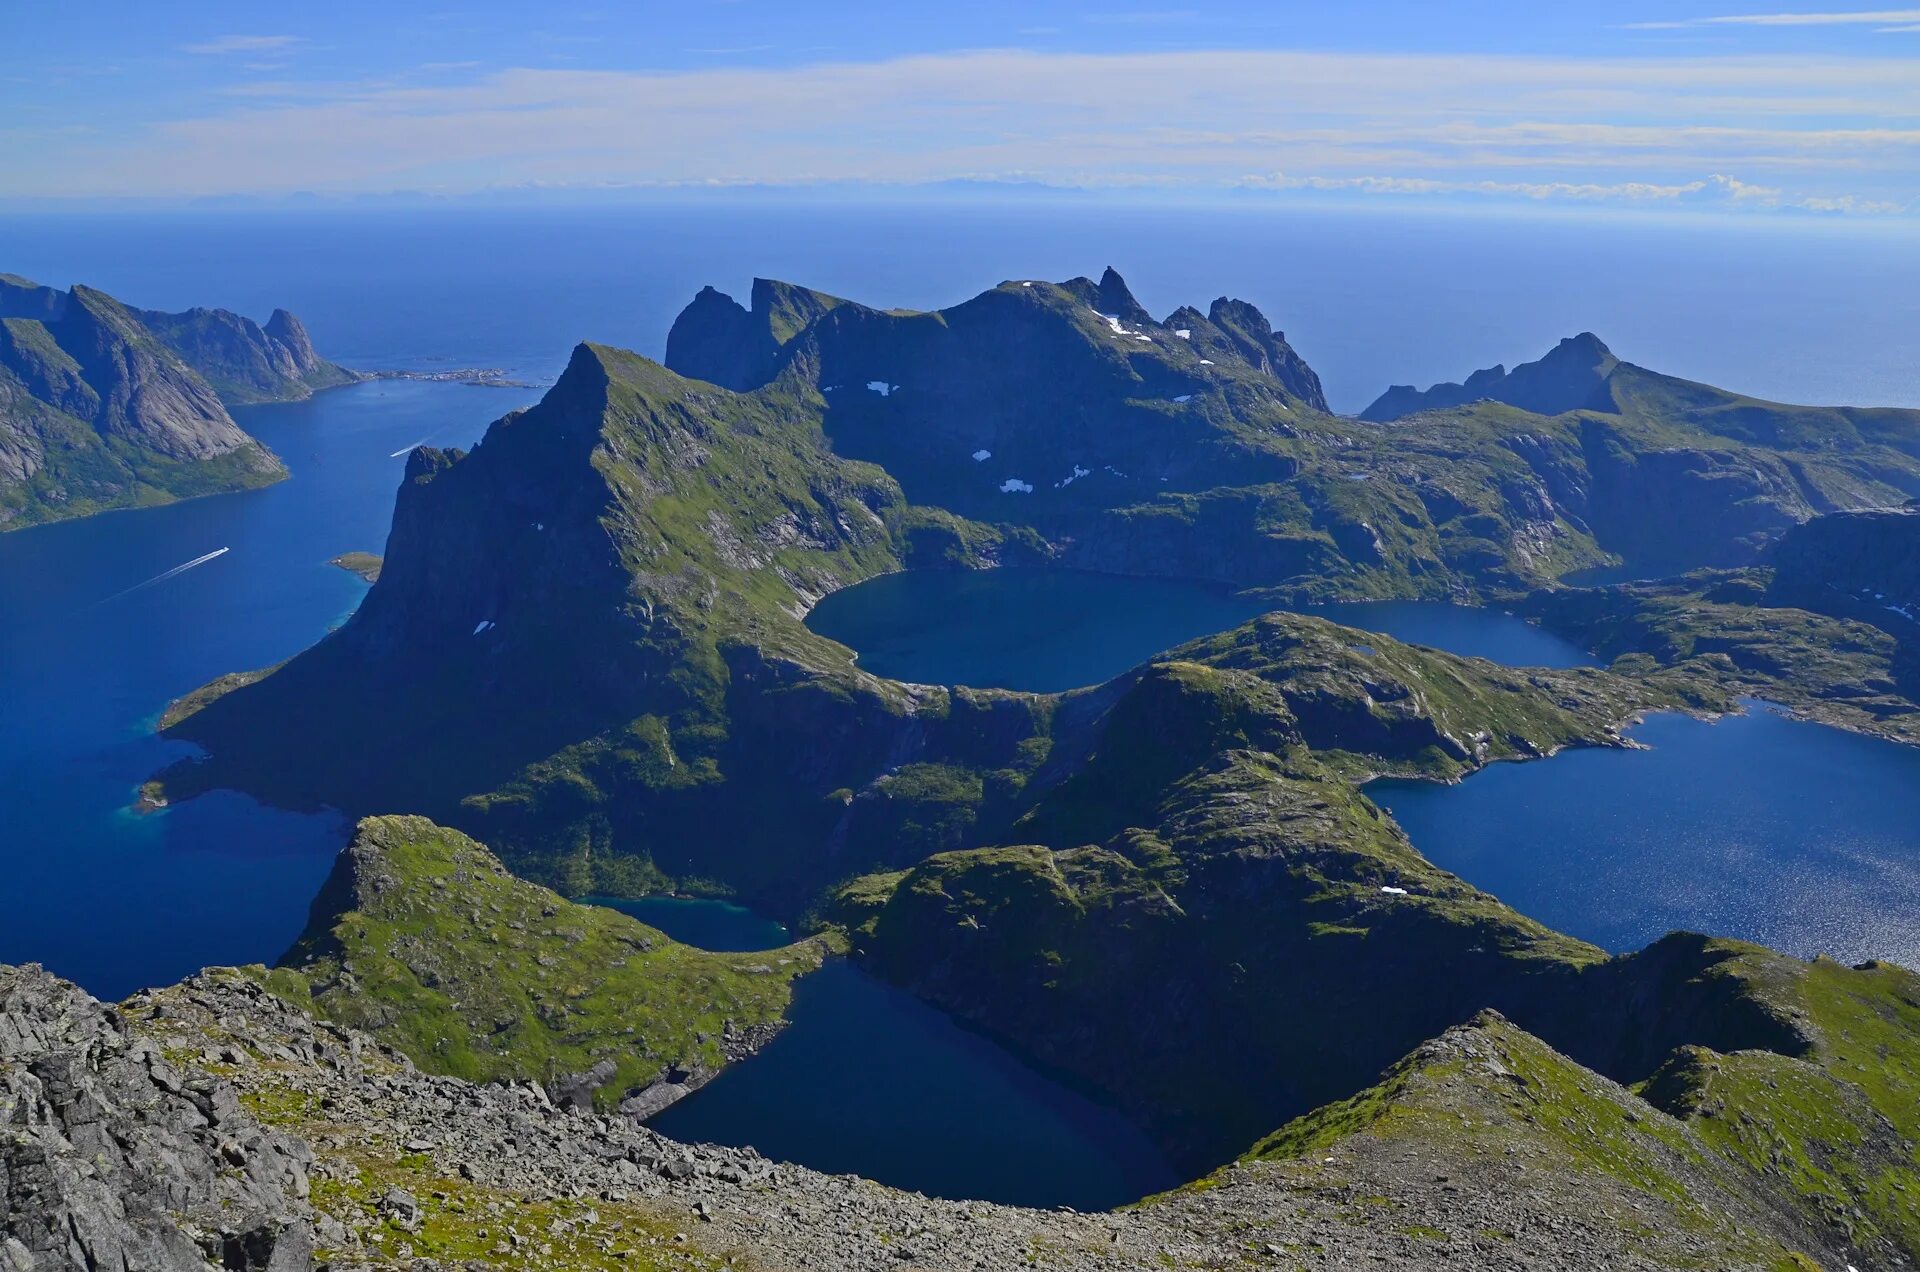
[{"x": 106, "y": 406}]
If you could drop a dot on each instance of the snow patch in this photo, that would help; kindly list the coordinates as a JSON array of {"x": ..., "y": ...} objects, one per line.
[
  {"x": 1206, "y": 362},
  {"x": 1394, "y": 892},
  {"x": 882, "y": 387},
  {"x": 1026, "y": 284},
  {"x": 1184, "y": 397},
  {"x": 981, "y": 456},
  {"x": 485, "y": 625},
  {"x": 1120, "y": 328},
  {"x": 1077, "y": 473},
  {"x": 1013, "y": 485},
  {"x": 1185, "y": 333}
]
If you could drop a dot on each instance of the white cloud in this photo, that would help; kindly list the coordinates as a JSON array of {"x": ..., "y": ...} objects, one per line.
[
  {"x": 1833, "y": 129},
  {"x": 242, "y": 44},
  {"x": 1716, "y": 188},
  {"x": 1868, "y": 17}
]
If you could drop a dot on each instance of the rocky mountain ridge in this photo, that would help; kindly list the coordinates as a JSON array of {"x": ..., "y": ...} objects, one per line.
[
  {"x": 221, "y": 1123},
  {"x": 103, "y": 406}
]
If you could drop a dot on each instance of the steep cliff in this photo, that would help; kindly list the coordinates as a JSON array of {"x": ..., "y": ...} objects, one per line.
[
  {"x": 103, "y": 406},
  {"x": 243, "y": 361}
]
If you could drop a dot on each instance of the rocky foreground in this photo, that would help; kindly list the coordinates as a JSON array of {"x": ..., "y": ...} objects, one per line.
[{"x": 213, "y": 1124}]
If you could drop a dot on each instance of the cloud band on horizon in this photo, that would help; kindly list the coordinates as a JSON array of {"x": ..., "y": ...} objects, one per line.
[{"x": 1820, "y": 134}]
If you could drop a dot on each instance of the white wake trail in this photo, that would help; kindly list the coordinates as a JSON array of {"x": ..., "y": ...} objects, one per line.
[{"x": 164, "y": 575}]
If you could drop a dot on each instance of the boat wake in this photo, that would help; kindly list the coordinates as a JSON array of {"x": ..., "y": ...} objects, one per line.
[{"x": 164, "y": 575}]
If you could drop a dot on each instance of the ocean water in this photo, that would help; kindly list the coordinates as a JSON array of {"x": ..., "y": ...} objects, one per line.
[
  {"x": 1806, "y": 311},
  {"x": 94, "y": 642},
  {"x": 1047, "y": 630}
]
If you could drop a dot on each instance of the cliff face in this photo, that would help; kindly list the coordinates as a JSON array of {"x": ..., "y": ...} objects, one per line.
[
  {"x": 104, "y": 406},
  {"x": 117, "y": 1156},
  {"x": 1862, "y": 565},
  {"x": 243, "y": 361},
  {"x": 566, "y": 601},
  {"x": 1034, "y": 402}
]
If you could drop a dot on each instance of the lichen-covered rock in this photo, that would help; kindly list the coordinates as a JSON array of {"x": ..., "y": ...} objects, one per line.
[{"x": 114, "y": 1156}]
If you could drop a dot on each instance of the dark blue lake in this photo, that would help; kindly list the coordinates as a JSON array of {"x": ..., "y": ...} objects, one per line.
[
  {"x": 707, "y": 923},
  {"x": 1795, "y": 835},
  {"x": 1045, "y": 630},
  {"x": 869, "y": 1080}
]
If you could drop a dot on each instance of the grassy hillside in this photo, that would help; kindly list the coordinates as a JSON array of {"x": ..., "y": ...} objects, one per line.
[{"x": 422, "y": 939}]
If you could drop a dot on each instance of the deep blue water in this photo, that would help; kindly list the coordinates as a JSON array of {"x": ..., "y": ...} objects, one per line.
[
  {"x": 88, "y": 657},
  {"x": 1801, "y": 837},
  {"x": 870, "y": 1080},
  {"x": 709, "y": 924},
  {"x": 1047, "y": 630}
]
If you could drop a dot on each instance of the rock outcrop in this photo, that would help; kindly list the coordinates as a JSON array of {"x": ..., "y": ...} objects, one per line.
[
  {"x": 1571, "y": 377},
  {"x": 244, "y": 361},
  {"x": 114, "y": 1154}
]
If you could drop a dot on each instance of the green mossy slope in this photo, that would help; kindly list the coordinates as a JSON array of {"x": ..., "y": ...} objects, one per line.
[{"x": 423, "y": 939}]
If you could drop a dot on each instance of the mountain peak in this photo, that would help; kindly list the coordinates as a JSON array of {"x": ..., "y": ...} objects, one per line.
[
  {"x": 719, "y": 340},
  {"x": 1571, "y": 376},
  {"x": 1584, "y": 345},
  {"x": 1115, "y": 298}
]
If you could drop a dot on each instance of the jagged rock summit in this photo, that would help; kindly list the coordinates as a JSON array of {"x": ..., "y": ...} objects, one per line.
[
  {"x": 244, "y": 361},
  {"x": 104, "y": 406},
  {"x": 1572, "y": 376}
]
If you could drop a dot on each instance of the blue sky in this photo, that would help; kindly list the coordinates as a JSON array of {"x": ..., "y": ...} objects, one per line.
[{"x": 1728, "y": 106}]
